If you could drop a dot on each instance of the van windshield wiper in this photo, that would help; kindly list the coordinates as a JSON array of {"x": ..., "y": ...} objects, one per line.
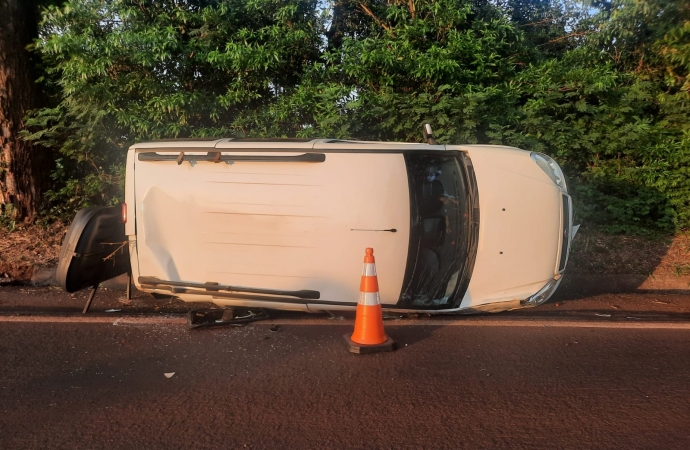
[
  {"x": 215, "y": 287},
  {"x": 217, "y": 157}
]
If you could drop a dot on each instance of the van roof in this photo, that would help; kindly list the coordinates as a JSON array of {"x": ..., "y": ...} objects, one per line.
[
  {"x": 298, "y": 145},
  {"x": 203, "y": 144}
]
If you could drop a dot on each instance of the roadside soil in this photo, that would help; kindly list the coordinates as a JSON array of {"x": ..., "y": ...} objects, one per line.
[
  {"x": 594, "y": 252},
  {"x": 26, "y": 247}
]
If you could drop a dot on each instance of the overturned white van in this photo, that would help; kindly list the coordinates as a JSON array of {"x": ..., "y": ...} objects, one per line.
[{"x": 284, "y": 223}]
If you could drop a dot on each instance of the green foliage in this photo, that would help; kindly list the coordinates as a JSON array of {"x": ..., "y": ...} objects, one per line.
[
  {"x": 7, "y": 218},
  {"x": 127, "y": 71},
  {"x": 445, "y": 62},
  {"x": 611, "y": 131},
  {"x": 648, "y": 37},
  {"x": 611, "y": 113},
  {"x": 603, "y": 88}
]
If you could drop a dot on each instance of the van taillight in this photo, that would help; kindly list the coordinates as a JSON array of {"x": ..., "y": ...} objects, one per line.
[{"x": 124, "y": 213}]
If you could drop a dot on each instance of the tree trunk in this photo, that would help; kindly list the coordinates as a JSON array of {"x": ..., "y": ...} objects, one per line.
[{"x": 24, "y": 167}]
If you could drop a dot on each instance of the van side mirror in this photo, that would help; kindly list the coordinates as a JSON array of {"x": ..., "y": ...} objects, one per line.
[{"x": 428, "y": 134}]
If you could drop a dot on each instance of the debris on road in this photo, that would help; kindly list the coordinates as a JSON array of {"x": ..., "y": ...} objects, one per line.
[
  {"x": 204, "y": 318},
  {"x": 392, "y": 316},
  {"x": 112, "y": 310},
  {"x": 275, "y": 328},
  {"x": 169, "y": 374}
]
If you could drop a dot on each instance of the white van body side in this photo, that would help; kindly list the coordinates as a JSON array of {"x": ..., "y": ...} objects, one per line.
[
  {"x": 283, "y": 226},
  {"x": 296, "y": 226}
]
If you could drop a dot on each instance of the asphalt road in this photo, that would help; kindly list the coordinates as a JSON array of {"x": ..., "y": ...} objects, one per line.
[{"x": 452, "y": 384}]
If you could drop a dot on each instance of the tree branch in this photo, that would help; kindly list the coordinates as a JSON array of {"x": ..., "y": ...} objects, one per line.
[
  {"x": 122, "y": 245},
  {"x": 373, "y": 16}
]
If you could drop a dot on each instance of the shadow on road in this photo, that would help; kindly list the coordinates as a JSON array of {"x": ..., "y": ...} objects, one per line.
[{"x": 410, "y": 336}]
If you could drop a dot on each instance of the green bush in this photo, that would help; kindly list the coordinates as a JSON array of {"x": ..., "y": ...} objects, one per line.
[{"x": 604, "y": 91}]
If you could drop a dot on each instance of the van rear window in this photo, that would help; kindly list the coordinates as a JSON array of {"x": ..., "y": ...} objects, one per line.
[{"x": 438, "y": 232}]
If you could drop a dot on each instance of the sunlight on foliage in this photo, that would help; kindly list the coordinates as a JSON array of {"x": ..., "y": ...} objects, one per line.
[{"x": 601, "y": 87}]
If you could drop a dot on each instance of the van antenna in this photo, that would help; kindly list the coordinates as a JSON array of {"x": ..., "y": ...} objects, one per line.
[{"x": 429, "y": 134}]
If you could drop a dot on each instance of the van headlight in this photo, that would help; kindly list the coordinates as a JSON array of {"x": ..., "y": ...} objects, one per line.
[
  {"x": 550, "y": 168},
  {"x": 543, "y": 294}
]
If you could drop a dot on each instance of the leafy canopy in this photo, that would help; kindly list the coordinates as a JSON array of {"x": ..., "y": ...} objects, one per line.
[{"x": 602, "y": 87}]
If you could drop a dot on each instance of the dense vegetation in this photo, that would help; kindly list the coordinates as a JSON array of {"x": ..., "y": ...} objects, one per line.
[{"x": 602, "y": 87}]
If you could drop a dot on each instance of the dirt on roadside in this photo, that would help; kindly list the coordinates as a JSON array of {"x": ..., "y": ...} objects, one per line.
[
  {"x": 594, "y": 252},
  {"x": 24, "y": 248}
]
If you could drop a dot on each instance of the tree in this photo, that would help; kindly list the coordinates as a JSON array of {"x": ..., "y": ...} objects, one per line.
[
  {"x": 403, "y": 63},
  {"x": 133, "y": 70},
  {"x": 24, "y": 167},
  {"x": 604, "y": 88}
]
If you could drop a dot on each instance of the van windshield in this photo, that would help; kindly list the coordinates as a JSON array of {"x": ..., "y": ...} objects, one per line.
[{"x": 441, "y": 232}]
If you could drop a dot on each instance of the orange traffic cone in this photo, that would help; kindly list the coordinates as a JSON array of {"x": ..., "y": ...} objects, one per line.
[{"x": 369, "y": 336}]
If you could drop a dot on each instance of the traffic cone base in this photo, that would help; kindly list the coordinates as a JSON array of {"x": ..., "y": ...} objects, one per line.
[{"x": 362, "y": 349}]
